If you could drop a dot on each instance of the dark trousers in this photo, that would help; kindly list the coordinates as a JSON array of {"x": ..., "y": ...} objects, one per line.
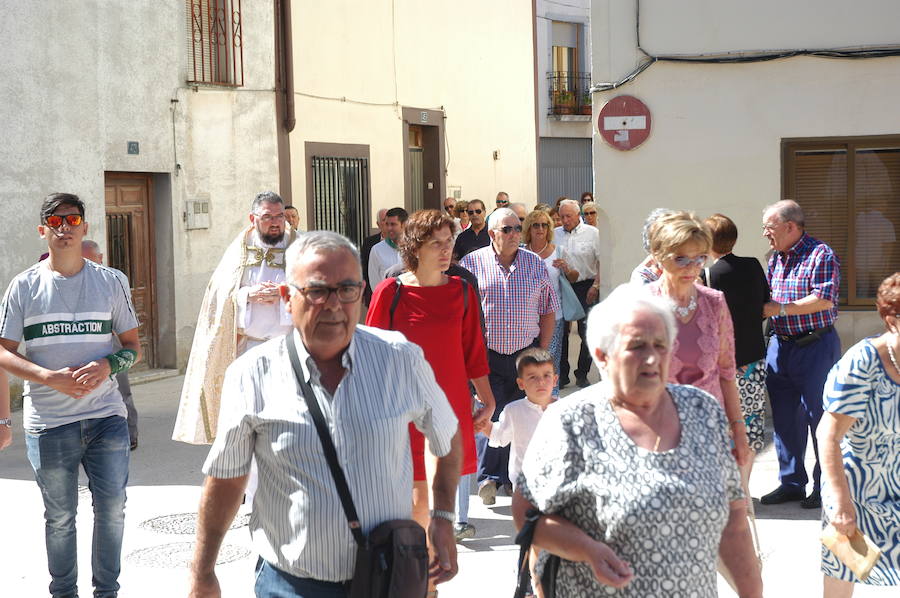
[
  {"x": 584, "y": 356},
  {"x": 494, "y": 464},
  {"x": 796, "y": 378},
  {"x": 275, "y": 583}
]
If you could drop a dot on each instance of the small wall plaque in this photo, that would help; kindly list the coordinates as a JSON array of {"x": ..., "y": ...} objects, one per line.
[{"x": 134, "y": 148}]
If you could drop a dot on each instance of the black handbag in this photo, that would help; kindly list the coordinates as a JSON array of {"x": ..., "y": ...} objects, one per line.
[
  {"x": 392, "y": 561},
  {"x": 524, "y": 539}
]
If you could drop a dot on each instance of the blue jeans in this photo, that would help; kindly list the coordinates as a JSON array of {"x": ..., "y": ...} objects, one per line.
[
  {"x": 101, "y": 446},
  {"x": 275, "y": 583}
]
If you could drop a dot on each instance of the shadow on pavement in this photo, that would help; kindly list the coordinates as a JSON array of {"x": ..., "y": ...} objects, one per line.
[{"x": 789, "y": 510}]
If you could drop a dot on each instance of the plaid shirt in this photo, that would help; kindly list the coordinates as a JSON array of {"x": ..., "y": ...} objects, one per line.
[
  {"x": 810, "y": 267},
  {"x": 514, "y": 299}
]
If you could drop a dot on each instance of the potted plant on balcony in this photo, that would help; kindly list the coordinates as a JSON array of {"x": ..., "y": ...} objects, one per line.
[
  {"x": 585, "y": 106},
  {"x": 565, "y": 102}
]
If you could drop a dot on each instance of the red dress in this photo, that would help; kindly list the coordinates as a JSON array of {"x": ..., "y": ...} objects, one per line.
[{"x": 433, "y": 318}]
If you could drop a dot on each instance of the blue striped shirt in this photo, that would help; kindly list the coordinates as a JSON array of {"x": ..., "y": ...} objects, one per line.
[{"x": 297, "y": 523}]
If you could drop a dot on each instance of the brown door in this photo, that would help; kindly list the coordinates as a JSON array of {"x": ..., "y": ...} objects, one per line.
[{"x": 129, "y": 243}]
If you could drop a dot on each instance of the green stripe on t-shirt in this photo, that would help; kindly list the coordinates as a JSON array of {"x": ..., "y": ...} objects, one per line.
[{"x": 63, "y": 328}]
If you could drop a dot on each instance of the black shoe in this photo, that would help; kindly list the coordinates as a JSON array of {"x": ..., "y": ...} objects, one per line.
[
  {"x": 582, "y": 382},
  {"x": 783, "y": 494},
  {"x": 564, "y": 382},
  {"x": 813, "y": 501}
]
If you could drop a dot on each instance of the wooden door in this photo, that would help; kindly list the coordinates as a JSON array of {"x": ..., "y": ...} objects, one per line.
[{"x": 129, "y": 248}]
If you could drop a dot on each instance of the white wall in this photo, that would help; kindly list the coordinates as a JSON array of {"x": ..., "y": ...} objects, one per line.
[
  {"x": 715, "y": 145},
  {"x": 471, "y": 58}
]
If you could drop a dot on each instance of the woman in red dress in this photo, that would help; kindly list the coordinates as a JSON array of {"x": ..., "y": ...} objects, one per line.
[{"x": 441, "y": 314}]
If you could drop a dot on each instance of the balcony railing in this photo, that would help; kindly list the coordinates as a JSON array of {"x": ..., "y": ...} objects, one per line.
[{"x": 569, "y": 93}]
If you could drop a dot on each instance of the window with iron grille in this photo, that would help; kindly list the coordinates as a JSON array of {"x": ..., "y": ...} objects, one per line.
[
  {"x": 340, "y": 189},
  {"x": 215, "y": 42},
  {"x": 849, "y": 189}
]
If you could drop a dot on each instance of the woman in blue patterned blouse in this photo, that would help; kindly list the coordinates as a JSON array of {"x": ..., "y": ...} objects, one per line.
[{"x": 859, "y": 443}]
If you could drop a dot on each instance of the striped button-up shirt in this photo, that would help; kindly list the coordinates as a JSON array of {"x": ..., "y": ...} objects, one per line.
[
  {"x": 810, "y": 267},
  {"x": 513, "y": 299},
  {"x": 297, "y": 523}
]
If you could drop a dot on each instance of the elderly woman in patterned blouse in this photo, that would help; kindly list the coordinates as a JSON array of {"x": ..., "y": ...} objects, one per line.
[{"x": 633, "y": 478}]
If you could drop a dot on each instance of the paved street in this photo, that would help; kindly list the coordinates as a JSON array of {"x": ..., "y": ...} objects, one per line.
[{"x": 163, "y": 496}]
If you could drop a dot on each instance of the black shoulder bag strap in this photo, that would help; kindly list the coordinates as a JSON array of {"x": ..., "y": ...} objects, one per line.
[
  {"x": 327, "y": 445},
  {"x": 394, "y": 303}
]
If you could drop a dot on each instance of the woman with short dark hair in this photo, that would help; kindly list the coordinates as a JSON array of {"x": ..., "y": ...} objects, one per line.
[{"x": 441, "y": 314}]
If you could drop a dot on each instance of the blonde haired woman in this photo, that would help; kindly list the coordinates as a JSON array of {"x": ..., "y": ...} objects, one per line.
[{"x": 537, "y": 234}]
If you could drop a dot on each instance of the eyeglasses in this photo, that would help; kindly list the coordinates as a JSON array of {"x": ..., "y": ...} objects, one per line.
[
  {"x": 540, "y": 225},
  {"x": 319, "y": 295},
  {"x": 590, "y": 213},
  {"x": 55, "y": 221},
  {"x": 683, "y": 261},
  {"x": 508, "y": 229},
  {"x": 266, "y": 218},
  {"x": 473, "y": 212},
  {"x": 502, "y": 202}
]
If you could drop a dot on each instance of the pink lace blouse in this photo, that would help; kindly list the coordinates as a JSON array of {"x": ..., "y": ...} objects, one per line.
[{"x": 703, "y": 351}]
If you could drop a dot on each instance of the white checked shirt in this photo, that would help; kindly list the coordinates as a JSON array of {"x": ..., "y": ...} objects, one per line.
[
  {"x": 297, "y": 523},
  {"x": 582, "y": 247}
]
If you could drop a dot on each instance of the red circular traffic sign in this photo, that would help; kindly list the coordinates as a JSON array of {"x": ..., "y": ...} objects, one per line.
[{"x": 624, "y": 122}]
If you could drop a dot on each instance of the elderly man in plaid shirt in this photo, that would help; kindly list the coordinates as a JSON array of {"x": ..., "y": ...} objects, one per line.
[
  {"x": 519, "y": 305},
  {"x": 804, "y": 275}
]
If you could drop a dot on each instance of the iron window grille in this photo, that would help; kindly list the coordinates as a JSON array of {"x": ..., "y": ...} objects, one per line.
[
  {"x": 215, "y": 42},
  {"x": 569, "y": 92},
  {"x": 341, "y": 196}
]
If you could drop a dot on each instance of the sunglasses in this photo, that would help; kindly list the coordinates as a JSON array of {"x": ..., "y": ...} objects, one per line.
[
  {"x": 502, "y": 202},
  {"x": 508, "y": 229},
  {"x": 55, "y": 221},
  {"x": 590, "y": 213},
  {"x": 683, "y": 261},
  {"x": 540, "y": 225},
  {"x": 473, "y": 212}
]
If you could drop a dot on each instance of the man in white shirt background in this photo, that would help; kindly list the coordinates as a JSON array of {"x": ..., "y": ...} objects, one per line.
[
  {"x": 581, "y": 243},
  {"x": 385, "y": 253}
]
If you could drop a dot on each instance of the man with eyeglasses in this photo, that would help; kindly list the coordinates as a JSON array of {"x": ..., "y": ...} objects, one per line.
[
  {"x": 805, "y": 278},
  {"x": 385, "y": 253},
  {"x": 502, "y": 200},
  {"x": 241, "y": 309},
  {"x": 370, "y": 384},
  {"x": 67, "y": 311},
  {"x": 581, "y": 243},
  {"x": 519, "y": 305},
  {"x": 449, "y": 205},
  {"x": 476, "y": 236}
]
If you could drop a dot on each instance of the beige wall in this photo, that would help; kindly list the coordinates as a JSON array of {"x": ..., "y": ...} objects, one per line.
[
  {"x": 83, "y": 79},
  {"x": 471, "y": 58},
  {"x": 715, "y": 145}
]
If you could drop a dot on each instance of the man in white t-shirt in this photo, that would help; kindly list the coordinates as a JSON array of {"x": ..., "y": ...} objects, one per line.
[
  {"x": 67, "y": 311},
  {"x": 385, "y": 253}
]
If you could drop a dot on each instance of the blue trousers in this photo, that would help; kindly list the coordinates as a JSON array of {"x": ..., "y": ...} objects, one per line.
[
  {"x": 796, "y": 378},
  {"x": 275, "y": 583},
  {"x": 100, "y": 446}
]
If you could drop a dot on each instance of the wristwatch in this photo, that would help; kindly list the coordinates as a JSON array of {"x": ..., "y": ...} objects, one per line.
[
  {"x": 448, "y": 515},
  {"x": 6, "y": 422},
  {"x": 782, "y": 309}
]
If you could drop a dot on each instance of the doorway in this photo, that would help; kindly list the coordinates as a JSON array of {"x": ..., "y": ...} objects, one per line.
[
  {"x": 425, "y": 182},
  {"x": 129, "y": 249}
]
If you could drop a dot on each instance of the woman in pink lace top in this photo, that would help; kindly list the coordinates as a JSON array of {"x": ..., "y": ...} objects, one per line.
[{"x": 703, "y": 352}]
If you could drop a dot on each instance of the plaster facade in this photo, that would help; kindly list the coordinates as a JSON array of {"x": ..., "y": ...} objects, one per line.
[
  {"x": 717, "y": 130},
  {"x": 86, "y": 78},
  {"x": 358, "y": 65}
]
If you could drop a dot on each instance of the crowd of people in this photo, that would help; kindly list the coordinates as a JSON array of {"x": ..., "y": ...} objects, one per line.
[{"x": 635, "y": 485}]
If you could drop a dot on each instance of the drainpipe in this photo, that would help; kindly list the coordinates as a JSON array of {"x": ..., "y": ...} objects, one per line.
[{"x": 284, "y": 95}]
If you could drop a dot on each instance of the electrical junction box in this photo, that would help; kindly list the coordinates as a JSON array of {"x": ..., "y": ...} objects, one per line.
[{"x": 196, "y": 213}]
